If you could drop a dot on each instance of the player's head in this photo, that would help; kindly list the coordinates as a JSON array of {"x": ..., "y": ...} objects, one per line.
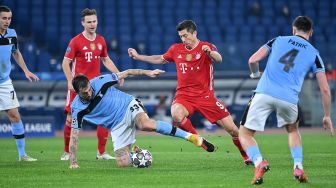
[
  {"x": 81, "y": 85},
  {"x": 5, "y": 17},
  {"x": 187, "y": 30},
  {"x": 303, "y": 24},
  {"x": 89, "y": 20}
]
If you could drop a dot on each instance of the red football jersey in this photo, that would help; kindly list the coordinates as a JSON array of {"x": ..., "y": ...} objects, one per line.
[
  {"x": 194, "y": 69},
  {"x": 85, "y": 55}
]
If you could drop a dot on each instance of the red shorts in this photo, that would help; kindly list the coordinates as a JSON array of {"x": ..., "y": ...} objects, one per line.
[
  {"x": 210, "y": 107},
  {"x": 70, "y": 97}
]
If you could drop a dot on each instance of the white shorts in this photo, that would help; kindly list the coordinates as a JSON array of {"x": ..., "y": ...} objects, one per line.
[
  {"x": 8, "y": 99},
  {"x": 124, "y": 133},
  {"x": 261, "y": 106}
]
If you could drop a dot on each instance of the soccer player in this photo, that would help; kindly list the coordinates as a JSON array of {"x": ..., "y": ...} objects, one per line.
[
  {"x": 101, "y": 104},
  {"x": 195, "y": 85},
  {"x": 85, "y": 52},
  {"x": 8, "y": 100},
  {"x": 289, "y": 59}
]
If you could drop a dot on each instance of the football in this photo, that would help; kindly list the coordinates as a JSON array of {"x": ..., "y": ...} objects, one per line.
[{"x": 142, "y": 159}]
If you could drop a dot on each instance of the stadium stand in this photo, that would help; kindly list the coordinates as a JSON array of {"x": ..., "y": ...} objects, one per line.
[
  {"x": 234, "y": 26},
  {"x": 228, "y": 24}
]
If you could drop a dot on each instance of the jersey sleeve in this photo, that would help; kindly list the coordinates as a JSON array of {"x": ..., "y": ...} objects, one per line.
[
  {"x": 71, "y": 50},
  {"x": 318, "y": 65},
  {"x": 99, "y": 81},
  {"x": 169, "y": 55},
  {"x": 269, "y": 44},
  {"x": 104, "y": 50},
  {"x": 213, "y": 47},
  {"x": 16, "y": 44}
]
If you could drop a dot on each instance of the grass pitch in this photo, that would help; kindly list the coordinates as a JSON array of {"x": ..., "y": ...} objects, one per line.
[{"x": 177, "y": 163}]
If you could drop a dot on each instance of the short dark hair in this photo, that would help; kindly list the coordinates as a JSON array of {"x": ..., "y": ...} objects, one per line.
[
  {"x": 4, "y": 8},
  {"x": 88, "y": 12},
  {"x": 303, "y": 23},
  {"x": 79, "y": 82},
  {"x": 187, "y": 24}
]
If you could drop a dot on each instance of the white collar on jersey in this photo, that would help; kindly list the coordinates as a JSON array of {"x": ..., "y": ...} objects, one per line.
[{"x": 95, "y": 35}]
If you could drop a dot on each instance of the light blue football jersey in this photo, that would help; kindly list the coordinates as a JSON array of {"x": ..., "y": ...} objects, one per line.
[
  {"x": 8, "y": 45},
  {"x": 109, "y": 111},
  {"x": 290, "y": 58}
]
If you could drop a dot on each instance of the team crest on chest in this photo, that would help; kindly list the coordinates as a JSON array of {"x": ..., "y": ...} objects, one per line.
[
  {"x": 198, "y": 56},
  {"x": 92, "y": 46},
  {"x": 100, "y": 46},
  {"x": 188, "y": 57}
]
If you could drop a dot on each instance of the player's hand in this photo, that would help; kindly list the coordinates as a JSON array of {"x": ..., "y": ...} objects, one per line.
[
  {"x": 74, "y": 166},
  {"x": 155, "y": 73},
  {"x": 132, "y": 53},
  {"x": 327, "y": 124},
  {"x": 70, "y": 87},
  {"x": 31, "y": 76},
  {"x": 206, "y": 49}
]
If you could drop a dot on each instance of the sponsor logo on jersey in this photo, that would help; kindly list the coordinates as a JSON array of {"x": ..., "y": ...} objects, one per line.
[
  {"x": 85, "y": 48},
  {"x": 100, "y": 46},
  {"x": 188, "y": 57},
  {"x": 68, "y": 50},
  {"x": 198, "y": 56},
  {"x": 180, "y": 57},
  {"x": 92, "y": 46},
  {"x": 183, "y": 67}
]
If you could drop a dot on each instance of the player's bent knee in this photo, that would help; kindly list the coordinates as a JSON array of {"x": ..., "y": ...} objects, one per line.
[{"x": 122, "y": 163}]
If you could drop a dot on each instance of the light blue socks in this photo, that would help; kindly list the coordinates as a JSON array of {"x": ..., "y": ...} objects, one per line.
[{"x": 18, "y": 134}]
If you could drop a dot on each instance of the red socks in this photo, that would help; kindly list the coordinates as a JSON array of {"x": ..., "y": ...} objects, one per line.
[
  {"x": 102, "y": 135},
  {"x": 66, "y": 135},
  {"x": 236, "y": 142},
  {"x": 186, "y": 125}
]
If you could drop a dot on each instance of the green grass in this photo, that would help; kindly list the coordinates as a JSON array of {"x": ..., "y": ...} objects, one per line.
[{"x": 176, "y": 164}]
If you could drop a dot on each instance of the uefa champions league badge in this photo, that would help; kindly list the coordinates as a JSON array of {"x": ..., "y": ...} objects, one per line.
[
  {"x": 74, "y": 122},
  {"x": 188, "y": 57},
  {"x": 92, "y": 46},
  {"x": 198, "y": 55},
  {"x": 68, "y": 50},
  {"x": 100, "y": 46}
]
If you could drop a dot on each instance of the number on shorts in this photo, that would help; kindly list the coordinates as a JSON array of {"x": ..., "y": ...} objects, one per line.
[
  {"x": 288, "y": 59},
  {"x": 137, "y": 106},
  {"x": 220, "y": 105},
  {"x": 13, "y": 94},
  {"x": 134, "y": 107}
]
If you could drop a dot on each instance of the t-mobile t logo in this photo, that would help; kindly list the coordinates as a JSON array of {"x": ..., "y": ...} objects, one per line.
[
  {"x": 183, "y": 67},
  {"x": 88, "y": 56}
]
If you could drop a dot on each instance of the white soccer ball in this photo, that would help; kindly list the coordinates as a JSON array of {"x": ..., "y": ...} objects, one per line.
[{"x": 142, "y": 159}]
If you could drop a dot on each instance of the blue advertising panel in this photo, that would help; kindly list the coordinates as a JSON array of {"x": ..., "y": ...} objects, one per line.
[{"x": 35, "y": 126}]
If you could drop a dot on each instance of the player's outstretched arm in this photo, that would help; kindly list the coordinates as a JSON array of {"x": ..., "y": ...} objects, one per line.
[
  {"x": 254, "y": 62},
  {"x": 154, "y": 59},
  {"x": 73, "y": 148},
  {"x": 20, "y": 61},
  {"x": 109, "y": 64},
  {"x": 325, "y": 92},
  {"x": 138, "y": 72}
]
